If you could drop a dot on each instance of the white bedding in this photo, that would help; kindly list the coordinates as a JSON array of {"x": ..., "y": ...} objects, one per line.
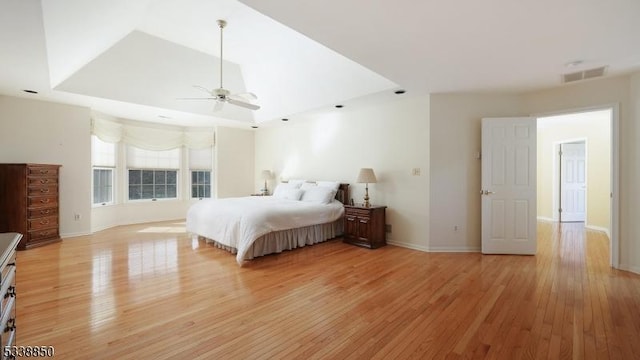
[{"x": 238, "y": 222}]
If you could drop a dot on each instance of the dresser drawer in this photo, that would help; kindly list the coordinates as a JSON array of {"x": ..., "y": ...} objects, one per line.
[
  {"x": 40, "y": 212},
  {"x": 42, "y": 201},
  {"x": 36, "y": 181},
  {"x": 43, "y": 223},
  {"x": 50, "y": 171},
  {"x": 42, "y": 190},
  {"x": 43, "y": 234}
]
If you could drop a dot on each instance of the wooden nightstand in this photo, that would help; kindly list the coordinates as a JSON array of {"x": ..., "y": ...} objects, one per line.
[{"x": 364, "y": 226}]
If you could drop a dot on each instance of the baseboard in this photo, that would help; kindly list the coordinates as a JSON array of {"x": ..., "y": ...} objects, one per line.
[
  {"x": 545, "y": 219},
  {"x": 633, "y": 269},
  {"x": 71, "y": 235},
  {"x": 454, "y": 249},
  {"x": 408, "y": 246},
  {"x": 598, "y": 228}
]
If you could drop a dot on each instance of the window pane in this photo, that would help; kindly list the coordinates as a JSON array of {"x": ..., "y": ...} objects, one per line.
[
  {"x": 135, "y": 177},
  {"x": 147, "y": 177},
  {"x": 160, "y": 191},
  {"x": 207, "y": 177},
  {"x": 147, "y": 191},
  {"x": 171, "y": 177},
  {"x": 161, "y": 177},
  {"x": 171, "y": 191},
  {"x": 207, "y": 191},
  {"x": 194, "y": 177},
  {"x": 194, "y": 191},
  {"x": 135, "y": 192}
]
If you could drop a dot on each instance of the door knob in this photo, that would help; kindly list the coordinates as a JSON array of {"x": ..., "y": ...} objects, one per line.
[{"x": 486, "y": 192}]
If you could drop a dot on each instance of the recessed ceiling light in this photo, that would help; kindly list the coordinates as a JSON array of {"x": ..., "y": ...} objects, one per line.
[
  {"x": 254, "y": 127},
  {"x": 285, "y": 119},
  {"x": 339, "y": 106},
  {"x": 400, "y": 91},
  {"x": 30, "y": 91}
]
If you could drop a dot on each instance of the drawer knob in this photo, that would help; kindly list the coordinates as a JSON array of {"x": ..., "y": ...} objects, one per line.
[
  {"x": 11, "y": 325},
  {"x": 45, "y": 201},
  {"x": 44, "y": 172},
  {"x": 45, "y": 233},
  {"x": 44, "y": 222},
  {"x": 45, "y": 212},
  {"x": 44, "y": 181},
  {"x": 11, "y": 292},
  {"x": 44, "y": 191}
]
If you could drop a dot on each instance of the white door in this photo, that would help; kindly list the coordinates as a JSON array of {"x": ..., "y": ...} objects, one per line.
[
  {"x": 509, "y": 186},
  {"x": 573, "y": 182}
]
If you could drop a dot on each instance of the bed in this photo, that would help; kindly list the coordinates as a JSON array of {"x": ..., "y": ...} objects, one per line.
[{"x": 299, "y": 213}]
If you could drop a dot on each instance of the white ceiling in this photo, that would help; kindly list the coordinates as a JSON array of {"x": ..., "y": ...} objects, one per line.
[{"x": 132, "y": 59}]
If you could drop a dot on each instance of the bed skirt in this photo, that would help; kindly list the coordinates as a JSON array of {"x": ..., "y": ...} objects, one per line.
[{"x": 278, "y": 241}]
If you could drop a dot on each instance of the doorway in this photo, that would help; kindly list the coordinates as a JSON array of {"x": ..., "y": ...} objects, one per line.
[{"x": 563, "y": 193}]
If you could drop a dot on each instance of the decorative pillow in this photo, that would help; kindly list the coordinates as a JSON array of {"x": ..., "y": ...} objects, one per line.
[
  {"x": 334, "y": 185},
  {"x": 318, "y": 194}
]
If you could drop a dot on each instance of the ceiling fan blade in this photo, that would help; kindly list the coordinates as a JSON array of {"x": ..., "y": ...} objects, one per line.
[
  {"x": 202, "y": 88},
  {"x": 245, "y": 96},
  {"x": 200, "y": 98},
  {"x": 218, "y": 107},
  {"x": 243, "y": 104}
]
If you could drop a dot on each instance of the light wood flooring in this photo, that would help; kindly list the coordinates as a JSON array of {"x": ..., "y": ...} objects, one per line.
[{"x": 150, "y": 292}]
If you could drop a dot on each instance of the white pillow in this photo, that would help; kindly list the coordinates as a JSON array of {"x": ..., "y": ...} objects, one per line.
[
  {"x": 334, "y": 185},
  {"x": 318, "y": 194},
  {"x": 288, "y": 194},
  {"x": 296, "y": 182},
  {"x": 283, "y": 187},
  {"x": 307, "y": 186}
]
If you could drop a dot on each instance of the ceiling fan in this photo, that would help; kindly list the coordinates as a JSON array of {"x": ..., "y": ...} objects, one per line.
[{"x": 222, "y": 95}]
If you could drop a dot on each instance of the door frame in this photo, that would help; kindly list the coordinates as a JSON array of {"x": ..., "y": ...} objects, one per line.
[
  {"x": 614, "y": 245},
  {"x": 555, "y": 177}
]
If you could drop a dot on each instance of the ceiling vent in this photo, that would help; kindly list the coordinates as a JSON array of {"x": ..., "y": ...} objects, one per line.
[{"x": 583, "y": 75}]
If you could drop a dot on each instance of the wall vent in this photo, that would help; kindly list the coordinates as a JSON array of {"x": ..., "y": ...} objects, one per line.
[{"x": 583, "y": 75}]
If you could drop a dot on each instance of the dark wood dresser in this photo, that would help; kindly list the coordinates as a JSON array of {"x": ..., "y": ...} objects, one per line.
[
  {"x": 365, "y": 226},
  {"x": 29, "y": 203}
]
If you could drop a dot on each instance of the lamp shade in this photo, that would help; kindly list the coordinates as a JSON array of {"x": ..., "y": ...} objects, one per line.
[
  {"x": 266, "y": 174},
  {"x": 366, "y": 175}
]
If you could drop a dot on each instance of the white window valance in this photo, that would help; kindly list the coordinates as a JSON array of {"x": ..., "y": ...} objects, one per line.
[{"x": 150, "y": 138}]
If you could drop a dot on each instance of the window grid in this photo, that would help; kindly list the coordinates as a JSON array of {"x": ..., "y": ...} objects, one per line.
[
  {"x": 153, "y": 184},
  {"x": 200, "y": 184}
]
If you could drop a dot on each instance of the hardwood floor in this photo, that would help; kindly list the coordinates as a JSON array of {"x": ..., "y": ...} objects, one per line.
[{"x": 150, "y": 292}]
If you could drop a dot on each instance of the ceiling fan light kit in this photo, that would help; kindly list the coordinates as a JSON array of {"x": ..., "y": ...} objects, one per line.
[{"x": 222, "y": 95}]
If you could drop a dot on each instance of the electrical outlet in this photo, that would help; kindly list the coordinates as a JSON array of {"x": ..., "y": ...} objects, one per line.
[
  {"x": 415, "y": 171},
  {"x": 455, "y": 227},
  {"x": 76, "y": 217}
]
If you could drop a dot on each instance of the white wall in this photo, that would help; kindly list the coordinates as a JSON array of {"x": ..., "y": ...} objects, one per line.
[
  {"x": 34, "y": 131},
  {"x": 234, "y": 162},
  {"x": 391, "y": 138},
  {"x": 455, "y": 168}
]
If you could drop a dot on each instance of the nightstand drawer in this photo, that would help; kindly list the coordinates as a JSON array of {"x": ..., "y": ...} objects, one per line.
[{"x": 358, "y": 212}]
